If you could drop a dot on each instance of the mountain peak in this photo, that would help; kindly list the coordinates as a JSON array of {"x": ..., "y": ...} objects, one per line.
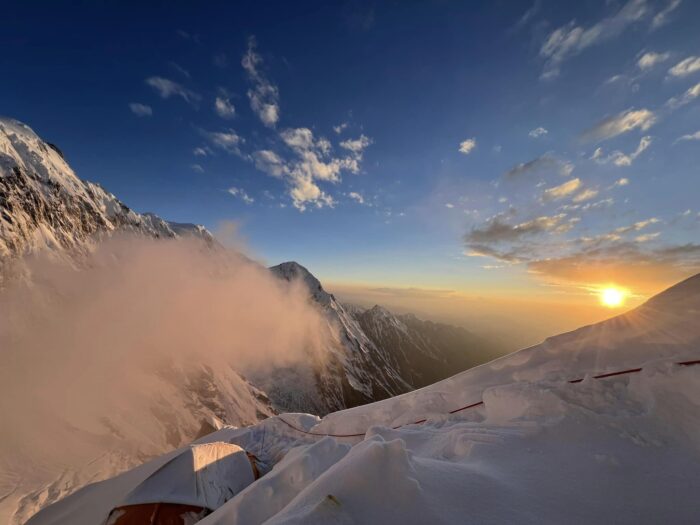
[{"x": 292, "y": 270}]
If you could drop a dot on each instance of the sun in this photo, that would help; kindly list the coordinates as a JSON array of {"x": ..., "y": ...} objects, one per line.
[{"x": 612, "y": 297}]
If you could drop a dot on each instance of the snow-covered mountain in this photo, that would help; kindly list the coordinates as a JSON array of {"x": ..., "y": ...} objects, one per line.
[
  {"x": 370, "y": 355},
  {"x": 599, "y": 425},
  {"x": 43, "y": 204}
]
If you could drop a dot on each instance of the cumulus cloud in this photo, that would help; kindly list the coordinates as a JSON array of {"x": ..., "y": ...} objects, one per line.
[
  {"x": 685, "y": 67},
  {"x": 650, "y": 59},
  {"x": 623, "y": 122},
  {"x": 313, "y": 161},
  {"x": 570, "y": 39},
  {"x": 467, "y": 146},
  {"x": 224, "y": 108},
  {"x": 167, "y": 88},
  {"x": 685, "y": 98},
  {"x": 621, "y": 159},
  {"x": 241, "y": 194},
  {"x": 538, "y": 132},
  {"x": 263, "y": 95},
  {"x": 140, "y": 110},
  {"x": 563, "y": 190}
]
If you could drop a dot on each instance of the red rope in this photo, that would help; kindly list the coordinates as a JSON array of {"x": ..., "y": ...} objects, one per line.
[{"x": 473, "y": 405}]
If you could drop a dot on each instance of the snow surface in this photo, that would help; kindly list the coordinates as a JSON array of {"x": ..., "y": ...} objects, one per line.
[{"x": 540, "y": 449}]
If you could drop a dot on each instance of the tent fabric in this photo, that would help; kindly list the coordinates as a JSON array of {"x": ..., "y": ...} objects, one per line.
[{"x": 205, "y": 475}]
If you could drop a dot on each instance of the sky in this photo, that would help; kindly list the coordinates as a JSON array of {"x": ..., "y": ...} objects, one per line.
[{"x": 461, "y": 159}]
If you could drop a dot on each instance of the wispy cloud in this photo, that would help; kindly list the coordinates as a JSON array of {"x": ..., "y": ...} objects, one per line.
[
  {"x": 570, "y": 39},
  {"x": 340, "y": 127},
  {"x": 140, "y": 110},
  {"x": 623, "y": 122},
  {"x": 690, "y": 136},
  {"x": 540, "y": 164},
  {"x": 621, "y": 159},
  {"x": 357, "y": 145},
  {"x": 685, "y": 67},
  {"x": 228, "y": 140},
  {"x": 263, "y": 95},
  {"x": 563, "y": 190},
  {"x": 662, "y": 16},
  {"x": 685, "y": 98},
  {"x": 197, "y": 168},
  {"x": 167, "y": 88},
  {"x": 650, "y": 59},
  {"x": 241, "y": 194},
  {"x": 356, "y": 197},
  {"x": 467, "y": 146},
  {"x": 538, "y": 132}
]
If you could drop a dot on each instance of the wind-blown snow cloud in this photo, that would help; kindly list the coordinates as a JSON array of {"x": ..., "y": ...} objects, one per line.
[
  {"x": 620, "y": 159},
  {"x": 263, "y": 95},
  {"x": 623, "y": 122},
  {"x": 685, "y": 67},
  {"x": 141, "y": 110},
  {"x": 467, "y": 146},
  {"x": 167, "y": 88}
]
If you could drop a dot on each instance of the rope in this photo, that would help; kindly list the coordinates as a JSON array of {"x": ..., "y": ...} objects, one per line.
[{"x": 473, "y": 405}]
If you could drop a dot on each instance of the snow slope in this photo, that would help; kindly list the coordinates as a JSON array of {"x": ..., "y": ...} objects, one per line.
[{"x": 539, "y": 449}]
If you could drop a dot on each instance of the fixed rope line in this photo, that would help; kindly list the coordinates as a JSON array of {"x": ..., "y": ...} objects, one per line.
[{"x": 474, "y": 405}]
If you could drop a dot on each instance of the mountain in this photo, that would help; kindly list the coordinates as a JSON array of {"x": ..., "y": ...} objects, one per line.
[
  {"x": 43, "y": 204},
  {"x": 370, "y": 355},
  {"x": 598, "y": 425}
]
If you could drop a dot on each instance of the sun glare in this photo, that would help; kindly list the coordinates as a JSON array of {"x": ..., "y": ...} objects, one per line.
[{"x": 612, "y": 297}]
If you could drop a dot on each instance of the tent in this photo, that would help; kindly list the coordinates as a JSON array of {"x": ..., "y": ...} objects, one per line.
[{"x": 188, "y": 487}]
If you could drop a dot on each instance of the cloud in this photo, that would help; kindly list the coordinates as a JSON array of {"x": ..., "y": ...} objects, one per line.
[
  {"x": 650, "y": 59},
  {"x": 202, "y": 151},
  {"x": 563, "y": 190},
  {"x": 140, "y": 110},
  {"x": 647, "y": 237},
  {"x": 622, "y": 182},
  {"x": 356, "y": 197},
  {"x": 543, "y": 163},
  {"x": 570, "y": 39},
  {"x": 538, "y": 132},
  {"x": 620, "y": 159},
  {"x": 449, "y": 205},
  {"x": 357, "y": 145},
  {"x": 224, "y": 108},
  {"x": 177, "y": 67},
  {"x": 585, "y": 195},
  {"x": 313, "y": 161},
  {"x": 340, "y": 127},
  {"x": 621, "y": 123},
  {"x": 229, "y": 140},
  {"x": 685, "y": 67},
  {"x": 497, "y": 230},
  {"x": 662, "y": 16},
  {"x": 197, "y": 168},
  {"x": 685, "y": 98},
  {"x": 241, "y": 194},
  {"x": 690, "y": 136},
  {"x": 467, "y": 146},
  {"x": 167, "y": 88},
  {"x": 263, "y": 95}
]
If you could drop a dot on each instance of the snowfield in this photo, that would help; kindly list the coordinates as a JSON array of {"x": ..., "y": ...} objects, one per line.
[{"x": 538, "y": 449}]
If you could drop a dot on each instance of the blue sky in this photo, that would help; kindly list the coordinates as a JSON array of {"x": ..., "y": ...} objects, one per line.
[{"x": 514, "y": 148}]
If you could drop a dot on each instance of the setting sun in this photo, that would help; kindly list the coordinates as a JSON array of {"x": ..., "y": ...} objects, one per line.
[{"x": 612, "y": 297}]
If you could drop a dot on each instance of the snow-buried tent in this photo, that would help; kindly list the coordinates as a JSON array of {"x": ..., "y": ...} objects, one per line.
[{"x": 188, "y": 487}]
